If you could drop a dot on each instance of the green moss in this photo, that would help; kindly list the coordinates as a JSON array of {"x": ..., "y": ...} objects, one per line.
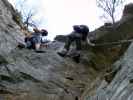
[
  {"x": 103, "y": 58},
  {"x": 17, "y": 17}
]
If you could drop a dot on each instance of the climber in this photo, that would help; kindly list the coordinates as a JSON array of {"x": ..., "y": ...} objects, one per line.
[
  {"x": 32, "y": 40},
  {"x": 44, "y": 41},
  {"x": 35, "y": 40},
  {"x": 79, "y": 33}
]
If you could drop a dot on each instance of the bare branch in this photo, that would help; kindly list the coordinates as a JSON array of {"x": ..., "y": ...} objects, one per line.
[
  {"x": 109, "y": 7},
  {"x": 27, "y": 13}
]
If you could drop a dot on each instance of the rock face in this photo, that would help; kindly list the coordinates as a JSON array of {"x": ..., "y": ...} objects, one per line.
[
  {"x": 120, "y": 86},
  {"x": 26, "y": 75},
  {"x": 102, "y": 73},
  {"x": 9, "y": 30}
]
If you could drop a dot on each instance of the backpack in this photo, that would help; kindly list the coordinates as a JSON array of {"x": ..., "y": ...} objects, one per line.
[
  {"x": 44, "y": 32},
  {"x": 84, "y": 31},
  {"x": 77, "y": 28}
]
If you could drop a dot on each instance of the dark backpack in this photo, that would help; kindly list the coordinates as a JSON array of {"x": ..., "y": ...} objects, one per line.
[
  {"x": 44, "y": 32},
  {"x": 81, "y": 29},
  {"x": 84, "y": 31},
  {"x": 76, "y": 28}
]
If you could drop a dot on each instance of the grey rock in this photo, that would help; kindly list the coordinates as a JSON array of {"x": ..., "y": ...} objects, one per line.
[
  {"x": 120, "y": 87},
  {"x": 27, "y": 75}
]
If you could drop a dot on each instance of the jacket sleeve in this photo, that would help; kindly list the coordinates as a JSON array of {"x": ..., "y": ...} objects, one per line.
[{"x": 89, "y": 42}]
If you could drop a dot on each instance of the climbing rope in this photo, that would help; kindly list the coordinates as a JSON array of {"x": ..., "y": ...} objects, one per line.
[{"x": 114, "y": 43}]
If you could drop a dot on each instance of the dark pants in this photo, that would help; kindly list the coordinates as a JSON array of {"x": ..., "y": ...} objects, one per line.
[
  {"x": 30, "y": 44},
  {"x": 71, "y": 38},
  {"x": 32, "y": 41}
]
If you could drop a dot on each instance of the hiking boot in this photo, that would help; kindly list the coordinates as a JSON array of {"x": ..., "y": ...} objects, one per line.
[
  {"x": 62, "y": 53},
  {"x": 40, "y": 51},
  {"x": 76, "y": 56},
  {"x": 20, "y": 45}
]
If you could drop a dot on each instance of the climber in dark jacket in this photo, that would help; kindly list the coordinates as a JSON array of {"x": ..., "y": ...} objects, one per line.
[
  {"x": 34, "y": 40},
  {"x": 80, "y": 33}
]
